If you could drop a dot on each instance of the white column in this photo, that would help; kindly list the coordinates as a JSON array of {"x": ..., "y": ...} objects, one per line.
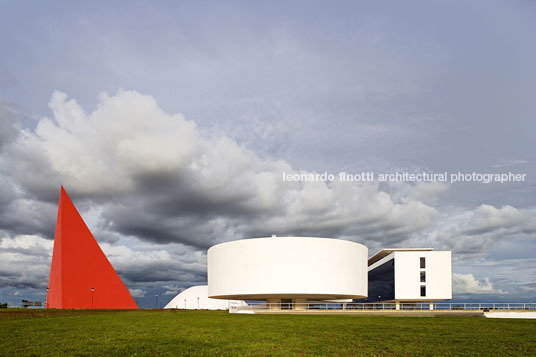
[
  {"x": 274, "y": 304},
  {"x": 397, "y": 305},
  {"x": 431, "y": 305},
  {"x": 299, "y": 304}
]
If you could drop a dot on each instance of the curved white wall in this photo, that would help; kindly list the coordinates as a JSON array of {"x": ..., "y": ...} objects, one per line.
[
  {"x": 287, "y": 267},
  {"x": 196, "y": 298}
]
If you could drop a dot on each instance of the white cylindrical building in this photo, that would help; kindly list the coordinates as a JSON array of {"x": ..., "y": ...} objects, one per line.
[{"x": 297, "y": 268}]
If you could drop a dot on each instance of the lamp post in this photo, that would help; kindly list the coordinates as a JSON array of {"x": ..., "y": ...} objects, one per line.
[
  {"x": 92, "y": 290},
  {"x": 198, "y": 303},
  {"x": 46, "y": 299},
  {"x": 156, "y": 301}
]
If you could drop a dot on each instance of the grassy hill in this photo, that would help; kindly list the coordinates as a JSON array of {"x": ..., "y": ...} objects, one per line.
[{"x": 208, "y": 333}]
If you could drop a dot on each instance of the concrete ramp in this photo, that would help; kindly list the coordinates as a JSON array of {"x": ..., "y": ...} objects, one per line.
[
  {"x": 510, "y": 314},
  {"x": 413, "y": 313}
]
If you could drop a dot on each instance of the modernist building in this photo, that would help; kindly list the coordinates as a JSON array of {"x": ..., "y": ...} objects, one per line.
[
  {"x": 196, "y": 298},
  {"x": 278, "y": 270},
  {"x": 287, "y": 269},
  {"x": 413, "y": 275}
]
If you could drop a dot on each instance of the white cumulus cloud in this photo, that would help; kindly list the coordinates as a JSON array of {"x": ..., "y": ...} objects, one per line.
[
  {"x": 143, "y": 176},
  {"x": 154, "y": 176},
  {"x": 468, "y": 284},
  {"x": 137, "y": 293}
]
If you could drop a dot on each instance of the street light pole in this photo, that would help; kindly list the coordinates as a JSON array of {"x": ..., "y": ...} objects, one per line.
[
  {"x": 46, "y": 299},
  {"x": 156, "y": 301},
  {"x": 92, "y": 290}
]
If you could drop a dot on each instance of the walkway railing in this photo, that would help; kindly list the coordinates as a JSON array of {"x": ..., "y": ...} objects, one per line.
[{"x": 386, "y": 306}]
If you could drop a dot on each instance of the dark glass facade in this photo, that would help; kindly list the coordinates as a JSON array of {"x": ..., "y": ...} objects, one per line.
[{"x": 381, "y": 283}]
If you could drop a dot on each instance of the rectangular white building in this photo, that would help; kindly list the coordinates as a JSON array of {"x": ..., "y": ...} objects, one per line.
[{"x": 411, "y": 275}]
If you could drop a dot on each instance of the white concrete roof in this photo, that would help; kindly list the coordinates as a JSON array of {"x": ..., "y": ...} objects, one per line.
[
  {"x": 196, "y": 298},
  {"x": 385, "y": 252}
]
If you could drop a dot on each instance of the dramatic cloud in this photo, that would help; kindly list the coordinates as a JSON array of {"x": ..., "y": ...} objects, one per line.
[
  {"x": 142, "y": 175},
  {"x": 472, "y": 233},
  {"x": 155, "y": 177},
  {"x": 137, "y": 293},
  {"x": 139, "y": 172},
  {"x": 265, "y": 89},
  {"x": 467, "y": 284},
  {"x": 172, "y": 289},
  {"x": 8, "y": 119},
  {"x": 25, "y": 261},
  {"x": 528, "y": 287}
]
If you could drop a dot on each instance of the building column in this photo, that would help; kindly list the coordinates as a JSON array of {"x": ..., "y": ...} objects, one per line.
[
  {"x": 431, "y": 305},
  {"x": 299, "y": 304},
  {"x": 397, "y": 305},
  {"x": 275, "y": 304}
]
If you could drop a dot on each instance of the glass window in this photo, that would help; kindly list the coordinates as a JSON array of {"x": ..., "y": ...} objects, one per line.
[
  {"x": 423, "y": 263},
  {"x": 423, "y": 277},
  {"x": 423, "y": 290}
]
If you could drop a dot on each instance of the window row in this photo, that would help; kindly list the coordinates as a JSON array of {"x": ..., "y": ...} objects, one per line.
[{"x": 423, "y": 276}]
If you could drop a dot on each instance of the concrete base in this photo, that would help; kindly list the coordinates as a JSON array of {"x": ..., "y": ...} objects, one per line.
[
  {"x": 510, "y": 314},
  {"x": 414, "y": 313}
]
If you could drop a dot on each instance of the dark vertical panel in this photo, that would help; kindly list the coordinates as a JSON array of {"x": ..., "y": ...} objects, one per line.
[{"x": 381, "y": 283}]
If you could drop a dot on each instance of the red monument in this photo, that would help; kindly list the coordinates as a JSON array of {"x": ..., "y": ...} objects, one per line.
[{"x": 81, "y": 277}]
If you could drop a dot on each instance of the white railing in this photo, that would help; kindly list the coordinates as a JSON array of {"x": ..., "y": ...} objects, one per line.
[{"x": 385, "y": 306}]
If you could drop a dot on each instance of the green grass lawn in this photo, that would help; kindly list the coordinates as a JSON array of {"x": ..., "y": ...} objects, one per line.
[{"x": 208, "y": 333}]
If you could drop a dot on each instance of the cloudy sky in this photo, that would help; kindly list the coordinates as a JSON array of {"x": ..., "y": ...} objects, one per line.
[{"x": 170, "y": 123}]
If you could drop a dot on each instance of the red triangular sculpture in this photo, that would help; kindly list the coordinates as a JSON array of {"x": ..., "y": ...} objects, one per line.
[{"x": 81, "y": 277}]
